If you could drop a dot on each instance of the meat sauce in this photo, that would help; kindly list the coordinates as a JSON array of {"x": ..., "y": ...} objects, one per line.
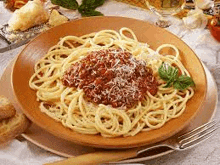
[{"x": 111, "y": 77}]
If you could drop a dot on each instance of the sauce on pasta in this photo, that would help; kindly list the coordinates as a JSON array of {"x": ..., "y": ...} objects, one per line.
[{"x": 112, "y": 77}]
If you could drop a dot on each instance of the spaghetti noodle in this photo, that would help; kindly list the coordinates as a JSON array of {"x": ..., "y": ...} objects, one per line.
[{"x": 71, "y": 105}]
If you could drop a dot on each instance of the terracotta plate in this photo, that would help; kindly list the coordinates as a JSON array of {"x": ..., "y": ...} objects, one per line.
[{"x": 154, "y": 36}]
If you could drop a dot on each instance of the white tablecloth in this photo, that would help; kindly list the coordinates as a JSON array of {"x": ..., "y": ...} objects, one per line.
[{"x": 23, "y": 152}]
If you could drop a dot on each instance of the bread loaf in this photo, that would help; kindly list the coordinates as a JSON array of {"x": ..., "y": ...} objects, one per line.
[
  {"x": 12, "y": 127},
  {"x": 6, "y": 108},
  {"x": 12, "y": 124}
]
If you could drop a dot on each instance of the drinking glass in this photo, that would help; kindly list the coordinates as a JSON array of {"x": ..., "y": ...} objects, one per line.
[{"x": 164, "y": 8}]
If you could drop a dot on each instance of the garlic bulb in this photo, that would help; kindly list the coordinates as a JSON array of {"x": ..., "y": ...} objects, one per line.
[
  {"x": 195, "y": 19},
  {"x": 204, "y": 4}
]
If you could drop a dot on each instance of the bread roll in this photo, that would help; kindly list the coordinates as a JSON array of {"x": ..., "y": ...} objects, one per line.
[
  {"x": 6, "y": 108},
  {"x": 12, "y": 127}
]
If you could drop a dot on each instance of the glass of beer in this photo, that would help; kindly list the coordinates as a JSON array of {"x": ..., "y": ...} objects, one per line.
[{"x": 164, "y": 8}]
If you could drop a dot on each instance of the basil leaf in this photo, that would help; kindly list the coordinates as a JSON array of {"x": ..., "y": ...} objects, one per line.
[
  {"x": 69, "y": 4},
  {"x": 87, "y": 4},
  {"x": 91, "y": 13},
  {"x": 167, "y": 73},
  {"x": 186, "y": 79},
  {"x": 97, "y": 3},
  {"x": 93, "y": 3},
  {"x": 169, "y": 83},
  {"x": 163, "y": 72},
  {"x": 170, "y": 75},
  {"x": 82, "y": 8},
  {"x": 87, "y": 8},
  {"x": 183, "y": 82}
]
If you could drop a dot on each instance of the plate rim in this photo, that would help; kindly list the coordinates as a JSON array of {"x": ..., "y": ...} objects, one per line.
[{"x": 96, "y": 144}]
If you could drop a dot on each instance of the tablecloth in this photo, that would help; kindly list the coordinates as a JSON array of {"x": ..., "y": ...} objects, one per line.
[{"x": 208, "y": 50}]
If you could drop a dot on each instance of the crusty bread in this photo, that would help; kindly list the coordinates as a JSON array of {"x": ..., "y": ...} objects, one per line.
[
  {"x": 12, "y": 127},
  {"x": 6, "y": 108}
]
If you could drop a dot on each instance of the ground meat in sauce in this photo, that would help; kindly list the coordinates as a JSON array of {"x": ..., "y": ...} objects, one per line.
[{"x": 111, "y": 77}]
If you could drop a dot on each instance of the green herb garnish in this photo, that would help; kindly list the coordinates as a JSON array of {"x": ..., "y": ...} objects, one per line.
[
  {"x": 171, "y": 76},
  {"x": 69, "y": 4},
  {"x": 87, "y": 8}
]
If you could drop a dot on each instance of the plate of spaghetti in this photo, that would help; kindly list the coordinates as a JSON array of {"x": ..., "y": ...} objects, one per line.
[{"x": 109, "y": 82}]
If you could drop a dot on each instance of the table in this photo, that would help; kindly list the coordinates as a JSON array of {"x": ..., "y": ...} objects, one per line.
[{"x": 200, "y": 40}]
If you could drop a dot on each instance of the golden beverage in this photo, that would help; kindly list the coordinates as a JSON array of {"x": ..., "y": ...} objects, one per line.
[{"x": 165, "y": 7}]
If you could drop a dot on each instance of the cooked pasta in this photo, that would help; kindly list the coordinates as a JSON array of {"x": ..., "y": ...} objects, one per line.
[{"x": 74, "y": 109}]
